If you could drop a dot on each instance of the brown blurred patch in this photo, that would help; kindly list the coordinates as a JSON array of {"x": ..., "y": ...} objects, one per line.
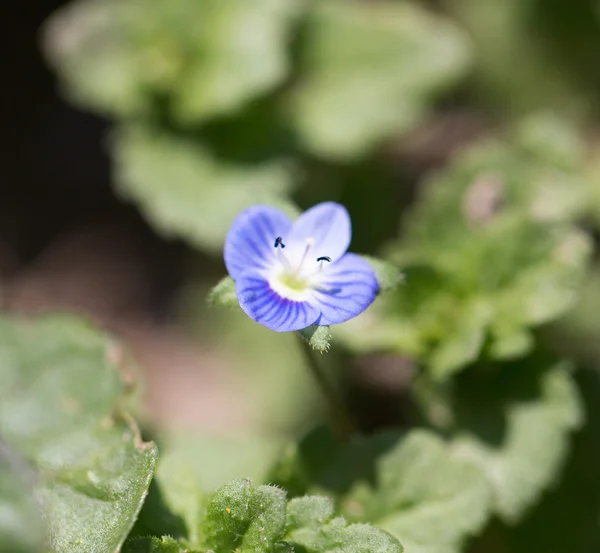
[{"x": 103, "y": 272}]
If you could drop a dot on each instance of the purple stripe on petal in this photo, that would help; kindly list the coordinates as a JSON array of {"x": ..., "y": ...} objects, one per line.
[
  {"x": 249, "y": 242},
  {"x": 346, "y": 290},
  {"x": 265, "y": 306}
]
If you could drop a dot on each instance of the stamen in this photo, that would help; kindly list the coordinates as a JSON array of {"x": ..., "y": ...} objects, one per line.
[
  {"x": 279, "y": 242},
  {"x": 324, "y": 258},
  {"x": 309, "y": 243}
]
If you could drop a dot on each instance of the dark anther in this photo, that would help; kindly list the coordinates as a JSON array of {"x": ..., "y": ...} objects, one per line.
[
  {"x": 324, "y": 258},
  {"x": 279, "y": 242}
]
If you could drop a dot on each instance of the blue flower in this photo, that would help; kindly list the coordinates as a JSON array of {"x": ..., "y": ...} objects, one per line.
[{"x": 290, "y": 275}]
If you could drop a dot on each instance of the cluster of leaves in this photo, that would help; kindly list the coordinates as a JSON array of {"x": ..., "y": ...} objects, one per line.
[
  {"x": 188, "y": 79},
  {"x": 70, "y": 448},
  {"x": 490, "y": 251}
]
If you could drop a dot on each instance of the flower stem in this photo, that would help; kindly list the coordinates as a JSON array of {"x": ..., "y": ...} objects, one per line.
[{"x": 341, "y": 420}]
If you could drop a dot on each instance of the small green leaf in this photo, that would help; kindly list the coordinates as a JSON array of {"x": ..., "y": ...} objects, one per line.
[
  {"x": 308, "y": 512},
  {"x": 62, "y": 413},
  {"x": 165, "y": 544},
  {"x": 311, "y": 527},
  {"x": 318, "y": 337},
  {"x": 388, "y": 274},
  {"x": 224, "y": 295},
  {"x": 245, "y": 518}
]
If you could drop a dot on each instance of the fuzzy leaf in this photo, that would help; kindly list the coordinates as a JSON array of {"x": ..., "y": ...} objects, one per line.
[
  {"x": 165, "y": 544},
  {"x": 182, "y": 486},
  {"x": 224, "y": 295},
  {"x": 412, "y": 487},
  {"x": 61, "y": 398},
  {"x": 388, "y": 274},
  {"x": 249, "y": 519},
  {"x": 242, "y": 518},
  {"x": 380, "y": 65},
  {"x": 186, "y": 192},
  {"x": 318, "y": 337},
  {"x": 311, "y": 527}
]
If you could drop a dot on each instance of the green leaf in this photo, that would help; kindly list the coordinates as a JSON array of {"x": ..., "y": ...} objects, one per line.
[
  {"x": 388, "y": 274},
  {"x": 224, "y": 295},
  {"x": 318, "y": 337},
  {"x": 62, "y": 394},
  {"x": 516, "y": 423},
  {"x": 21, "y": 529},
  {"x": 151, "y": 544},
  {"x": 186, "y": 192},
  {"x": 411, "y": 486},
  {"x": 249, "y": 519},
  {"x": 192, "y": 467},
  {"x": 203, "y": 58},
  {"x": 312, "y": 528},
  {"x": 381, "y": 65}
]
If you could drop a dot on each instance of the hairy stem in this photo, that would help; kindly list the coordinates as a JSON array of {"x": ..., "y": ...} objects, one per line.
[{"x": 341, "y": 419}]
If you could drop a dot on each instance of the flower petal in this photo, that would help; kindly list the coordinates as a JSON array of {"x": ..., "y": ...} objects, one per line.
[
  {"x": 346, "y": 290},
  {"x": 328, "y": 224},
  {"x": 266, "y": 307},
  {"x": 250, "y": 239}
]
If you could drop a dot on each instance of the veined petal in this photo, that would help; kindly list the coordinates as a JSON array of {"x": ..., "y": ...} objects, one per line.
[
  {"x": 328, "y": 224},
  {"x": 347, "y": 288},
  {"x": 268, "y": 308},
  {"x": 250, "y": 239}
]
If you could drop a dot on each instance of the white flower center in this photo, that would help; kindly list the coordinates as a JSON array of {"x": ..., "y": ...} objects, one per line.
[{"x": 294, "y": 276}]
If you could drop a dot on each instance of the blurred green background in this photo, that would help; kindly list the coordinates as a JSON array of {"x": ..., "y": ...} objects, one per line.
[{"x": 462, "y": 135}]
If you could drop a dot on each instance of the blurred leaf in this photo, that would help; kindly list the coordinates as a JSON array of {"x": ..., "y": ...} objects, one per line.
[
  {"x": 569, "y": 518},
  {"x": 515, "y": 420},
  {"x": 490, "y": 251},
  {"x": 317, "y": 337},
  {"x": 568, "y": 515},
  {"x": 388, "y": 274},
  {"x": 224, "y": 295},
  {"x": 21, "y": 529},
  {"x": 412, "y": 487},
  {"x": 205, "y": 58},
  {"x": 60, "y": 410},
  {"x": 370, "y": 71},
  {"x": 186, "y": 192}
]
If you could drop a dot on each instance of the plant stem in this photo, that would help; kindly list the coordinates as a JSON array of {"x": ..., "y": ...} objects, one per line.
[{"x": 341, "y": 420}]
